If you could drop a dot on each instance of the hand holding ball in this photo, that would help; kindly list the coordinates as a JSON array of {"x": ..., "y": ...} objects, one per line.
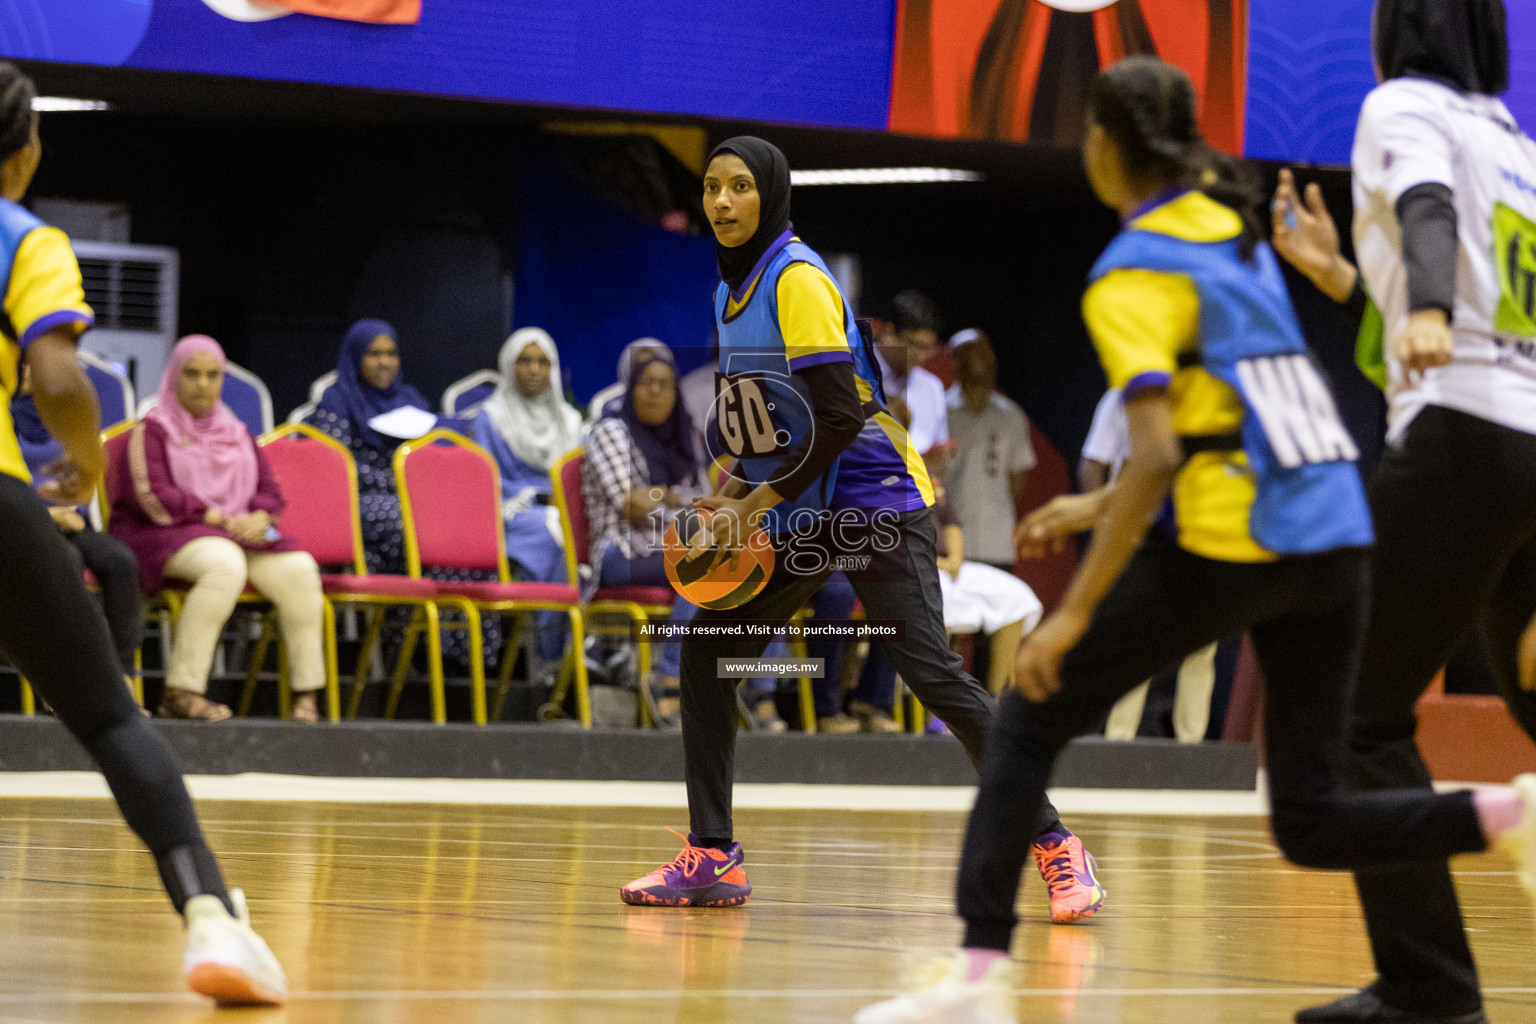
[{"x": 716, "y": 567}]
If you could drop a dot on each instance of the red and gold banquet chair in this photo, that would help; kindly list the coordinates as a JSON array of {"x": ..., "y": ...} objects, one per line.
[
  {"x": 636, "y": 604},
  {"x": 323, "y": 515},
  {"x": 450, "y": 502}
]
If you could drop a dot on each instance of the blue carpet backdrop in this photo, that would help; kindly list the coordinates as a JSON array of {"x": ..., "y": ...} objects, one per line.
[{"x": 596, "y": 277}]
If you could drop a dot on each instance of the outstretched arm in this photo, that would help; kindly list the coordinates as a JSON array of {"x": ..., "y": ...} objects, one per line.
[{"x": 1306, "y": 236}]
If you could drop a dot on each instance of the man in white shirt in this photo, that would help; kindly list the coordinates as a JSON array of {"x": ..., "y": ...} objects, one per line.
[
  {"x": 1107, "y": 447},
  {"x": 992, "y": 456},
  {"x": 902, "y": 344}
]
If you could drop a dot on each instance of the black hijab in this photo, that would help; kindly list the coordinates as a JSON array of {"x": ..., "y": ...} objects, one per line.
[
  {"x": 1463, "y": 44},
  {"x": 771, "y": 171}
]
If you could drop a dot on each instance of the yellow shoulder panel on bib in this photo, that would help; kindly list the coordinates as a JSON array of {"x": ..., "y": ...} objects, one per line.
[{"x": 1194, "y": 217}]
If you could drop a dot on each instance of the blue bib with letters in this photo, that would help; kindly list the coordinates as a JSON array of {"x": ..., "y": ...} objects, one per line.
[
  {"x": 1309, "y": 496},
  {"x": 762, "y": 409}
]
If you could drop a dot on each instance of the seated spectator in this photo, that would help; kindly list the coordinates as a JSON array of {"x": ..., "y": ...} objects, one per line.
[
  {"x": 608, "y": 401},
  {"x": 108, "y": 559},
  {"x": 983, "y": 599},
  {"x": 990, "y": 464},
  {"x": 197, "y": 501},
  {"x": 526, "y": 425},
  {"x": 369, "y": 384},
  {"x": 902, "y": 344},
  {"x": 643, "y": 464}
]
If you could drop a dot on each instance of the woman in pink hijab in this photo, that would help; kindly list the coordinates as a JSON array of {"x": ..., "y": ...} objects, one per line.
[{"x": 196, "y": 501}]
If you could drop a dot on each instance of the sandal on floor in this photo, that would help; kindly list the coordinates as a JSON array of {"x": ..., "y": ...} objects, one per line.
[
  {"x": 767, "y": 717},
  {"x": 307, "y": 712},
  {"x": 191, "y": 706},
  {"x": 871, "y": 718}
]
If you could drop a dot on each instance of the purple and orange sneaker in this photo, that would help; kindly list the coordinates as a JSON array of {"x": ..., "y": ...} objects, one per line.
[
  {"x": 1069, "y": 874},
  {"x": 700, "y": 876}
]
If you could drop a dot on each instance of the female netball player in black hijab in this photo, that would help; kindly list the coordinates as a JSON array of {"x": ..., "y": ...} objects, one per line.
[
  {"x": 830, "y": 475},
  {"x": 1443, "y": 179}
]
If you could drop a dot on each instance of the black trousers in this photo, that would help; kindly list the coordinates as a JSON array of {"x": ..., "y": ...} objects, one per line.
[
  {"x": 1455, "y": 509},
  {"x": 1306, "y": 616},
  {"x": 900, "y": 582},
  {"x": 54, "y": 632},
  {"x": 117, "y": 573}
]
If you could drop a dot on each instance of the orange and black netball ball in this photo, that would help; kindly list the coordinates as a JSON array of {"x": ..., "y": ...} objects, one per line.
[{"x": 697, "y": 577}]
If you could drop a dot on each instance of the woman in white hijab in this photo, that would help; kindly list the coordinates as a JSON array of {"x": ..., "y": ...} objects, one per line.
[{"x": 527, "y": 425}]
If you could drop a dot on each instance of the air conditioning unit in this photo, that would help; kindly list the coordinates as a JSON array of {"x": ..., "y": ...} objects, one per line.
[{"x": 134, "y": 291}]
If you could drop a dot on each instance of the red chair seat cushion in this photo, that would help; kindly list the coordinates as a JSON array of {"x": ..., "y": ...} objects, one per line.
[
  {"x": 638, "y": 595},
  {"x": 489, "y": 593},
  {"x": 382, "y": 585}
]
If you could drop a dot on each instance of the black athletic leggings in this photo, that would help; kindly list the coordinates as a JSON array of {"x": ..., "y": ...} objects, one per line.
[
  {"x": 899, "y": 583},
  {"x": 1455, "y": 508},
  {"x": 117, "y": 574},
  {"x": 53, "y": 631},
  {"x": 1306, "y": 616}
]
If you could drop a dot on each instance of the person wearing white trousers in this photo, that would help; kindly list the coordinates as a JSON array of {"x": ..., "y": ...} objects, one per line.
[
  {"x": 194, "y": 499},
  {"x": 218, "y": 570},
  {"x": 983, "y": 599}
]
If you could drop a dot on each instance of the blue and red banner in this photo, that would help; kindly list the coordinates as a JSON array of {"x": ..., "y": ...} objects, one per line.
[{"x": 1279, "y": 79}]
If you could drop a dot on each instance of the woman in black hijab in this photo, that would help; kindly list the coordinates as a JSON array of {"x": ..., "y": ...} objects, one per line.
[
  {"x": 798, "y": 385},
  {"x": 1439, "y": 164}
]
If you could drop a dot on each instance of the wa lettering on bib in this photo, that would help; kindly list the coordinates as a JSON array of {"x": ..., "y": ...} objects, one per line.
[{"x": 1296, "y": 410}]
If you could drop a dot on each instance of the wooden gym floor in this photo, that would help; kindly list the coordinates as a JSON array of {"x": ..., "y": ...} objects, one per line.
[{"x": 424, "y": 913}]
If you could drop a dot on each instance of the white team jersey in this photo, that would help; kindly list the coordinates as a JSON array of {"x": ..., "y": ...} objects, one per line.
[{"x": 1413, "y": 131}]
